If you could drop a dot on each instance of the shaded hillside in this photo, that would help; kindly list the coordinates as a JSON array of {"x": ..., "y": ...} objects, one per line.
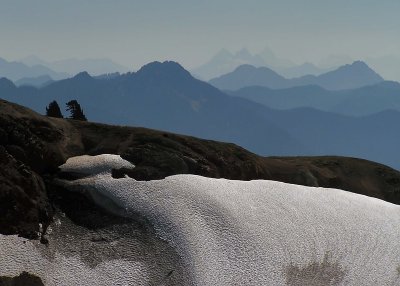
[
  {"x": 165, "y": 96},
  {"x": 33, "y": 146},
  {"x": 355, "y": 75},
  {"x": 289, "y": 98},
  {"x": 356, "y": 102}
]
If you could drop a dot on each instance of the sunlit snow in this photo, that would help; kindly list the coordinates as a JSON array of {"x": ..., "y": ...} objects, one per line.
[
  {"x": 92, "y": 165},
  {"x": 242, "y": 233}
]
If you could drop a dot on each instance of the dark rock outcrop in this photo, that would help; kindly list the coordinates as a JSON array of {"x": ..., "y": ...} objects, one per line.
[
  {"x": 24, "y": 279},
  {"x": 23, "y": 200}
]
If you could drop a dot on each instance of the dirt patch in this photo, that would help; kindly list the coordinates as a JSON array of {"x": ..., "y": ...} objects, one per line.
[{"x": 325, "y": 273}]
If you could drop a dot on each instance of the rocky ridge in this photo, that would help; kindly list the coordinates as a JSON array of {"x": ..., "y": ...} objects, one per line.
[{"x": 33, "y": 146}]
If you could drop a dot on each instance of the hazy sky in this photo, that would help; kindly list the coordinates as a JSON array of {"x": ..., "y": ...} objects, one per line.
[{"x": 191, "y": 31}]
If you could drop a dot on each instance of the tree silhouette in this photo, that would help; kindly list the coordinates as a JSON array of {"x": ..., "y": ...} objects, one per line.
[
  {"x": 53, "y": 110},
  {"x": 75, "y": 110}
]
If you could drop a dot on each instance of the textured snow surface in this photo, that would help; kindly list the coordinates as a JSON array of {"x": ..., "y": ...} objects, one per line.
[
  {"x": 240, "y": 233},
  {"x": 19, "y": 255},
  {"x": 92, "y": 165},
  {"x": 118, "y": 255}
]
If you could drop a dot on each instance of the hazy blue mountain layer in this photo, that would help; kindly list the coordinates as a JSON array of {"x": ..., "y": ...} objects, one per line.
[
  {"x": 74, "y": 66},
  {"x": 165, "y": 96},
  {"x": 38, "y": 81},
  {"x": 225, "y": 61},
  {"x": 16, "y": 70},
  {"x": 355, "y": 75},
  {"x": 358, "y": 102}
]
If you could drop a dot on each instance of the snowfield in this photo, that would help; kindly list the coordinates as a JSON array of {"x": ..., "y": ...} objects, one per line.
[{"x": 228, "y": 232}]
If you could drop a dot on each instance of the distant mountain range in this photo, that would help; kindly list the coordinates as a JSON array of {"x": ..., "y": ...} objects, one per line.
[
  {"x": 36, "y": 72},
  {"x": 17, "y": 70},
  {"x": 162, "y": 96},
  {"x": 350, "y": 76},
  {"x": 34, "y": 81},
  {"x": 224, "y": 62},
  {"x": 73, "y": 66},
  {"x": 165, "y": 96},
  {"x": 357, "y": 102},
  {"x": 303, "y": 69}
]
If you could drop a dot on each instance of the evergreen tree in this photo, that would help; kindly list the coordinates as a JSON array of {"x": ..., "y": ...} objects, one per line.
[
  {"x": 75, "y": 110},
  {"x": 53, "y": 110}
]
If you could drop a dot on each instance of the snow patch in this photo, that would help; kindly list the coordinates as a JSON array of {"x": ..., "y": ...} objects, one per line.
[
  {"x": 95, "y": 165},
  {"x": 19, "y": 254},
  {"x": 247, "y": 233}
]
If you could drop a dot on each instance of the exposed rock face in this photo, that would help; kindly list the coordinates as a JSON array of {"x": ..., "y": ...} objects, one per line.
[
  {"x": 27, "y": 152},
  {"x": 23, "y": 200},
  {"x": 33, "y": 146},
  {"x": 24, "y": 279}
]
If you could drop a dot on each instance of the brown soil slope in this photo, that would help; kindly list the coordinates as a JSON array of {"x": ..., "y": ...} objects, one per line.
[{"x": 32, "y": 146}]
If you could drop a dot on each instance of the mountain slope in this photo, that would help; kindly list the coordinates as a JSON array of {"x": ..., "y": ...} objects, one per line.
[
  {"x": 356, "y": 102},
  {"x": 247, "y": 75},
  {"x": 165, "y": 96},
  {"x": 358, "y": 74},
  {"x": 33, "y": 146},
  {"x": 289, "y": 98},
  {"x": 373, "y": 137}
]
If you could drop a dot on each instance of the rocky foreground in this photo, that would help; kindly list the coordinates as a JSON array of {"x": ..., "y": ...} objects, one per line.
[
  {"x": 193, "y": 230},
  {"x": 32, "y": 147}
]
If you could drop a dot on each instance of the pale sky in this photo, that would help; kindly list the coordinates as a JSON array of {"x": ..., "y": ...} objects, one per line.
[{"x": 133, "y": 32}]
